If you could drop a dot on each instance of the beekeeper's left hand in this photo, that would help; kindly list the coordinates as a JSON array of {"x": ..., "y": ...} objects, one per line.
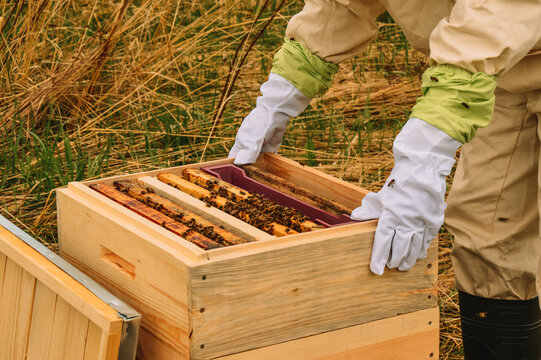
[{"x": 410, "y": 205}]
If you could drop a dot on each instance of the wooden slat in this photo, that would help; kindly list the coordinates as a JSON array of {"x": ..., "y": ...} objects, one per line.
[
  {"x": 411, "y": 336},
  {"x": 59, "y": 282},
  {"x": 236, "y": 194},
  {"x": 295, "y": 291},
  {"x": 178, "y": 213},
  {"x": 59, "y": 340},
  {"x": 210, "y": 182},
  {"x": 294, "y": 240},
  {"x": 15, "y": 304},
  {"x": 24, "y": 314},
  {"x": 156, "y": 349},
  {"x": 296, "y": 191},
  {"x": 93, "y": 341},
  {"x": 8, "y": 304},
  {"x": 327, "y": 186},
  {"x": 224, "y": 205},
  {"x": 213, "y": 214},
  {"x": 44, "y": 313},
  {"x": 41, "y": 329},
  {"x": 190, "y": 188},
  {"x": 78, "y": 326},
  {"x": 59, "y": 331},
  {"x": 109, "y": 345},
  {"x": 3, "y": 260},
  {"x": 156, "y": 217}
]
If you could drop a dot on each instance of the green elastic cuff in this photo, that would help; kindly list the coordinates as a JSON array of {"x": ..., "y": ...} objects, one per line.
[
  {"x": 456, "y": 101},
  {"x": 308, "y": 72}
]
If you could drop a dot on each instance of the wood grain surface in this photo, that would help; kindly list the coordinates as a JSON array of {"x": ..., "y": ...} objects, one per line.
[
  {"x": 47, "y": 315},
  {"x": 289, "y": 292},
  {"x": 412, "y": 336}
]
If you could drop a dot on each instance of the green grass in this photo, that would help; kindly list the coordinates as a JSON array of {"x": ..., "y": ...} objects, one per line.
[{"x": 92, "y": 89}]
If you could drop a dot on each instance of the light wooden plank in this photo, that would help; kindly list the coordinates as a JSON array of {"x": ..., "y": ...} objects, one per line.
[
  {"x": 293, "y": 240},
  {"x": 198, "y": 207},
  {"x": 27, "y": 289},
  {"x": 316, "y": 181},
  {"x": 411, "y": 336},
  {"x": 16, "y": 301},
  {"x": 9, "y": 301},
  {"x": 93, "y": 341},
  {"x": 109, "y": 346},
  {"x": 3, "y": 260},
  {"x": 42, "y": 322},
  {"x": 295, "y": 291},
  {"x": 77, "y": 334},
  {"x": 61, "y": 337},
  {"x": 153, "y": 348},
  {"x": 58, "y": 281},
  {"x": 159, "y": 288},
  {"x": 40, "y": 304}
]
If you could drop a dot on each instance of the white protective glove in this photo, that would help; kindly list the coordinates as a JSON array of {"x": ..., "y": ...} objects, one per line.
[
  {"x": 410, "y": 205},
  {"x": 263, "y": 129}
]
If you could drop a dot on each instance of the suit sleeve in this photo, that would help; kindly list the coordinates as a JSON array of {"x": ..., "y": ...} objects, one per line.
[
  {"x": 335, "y": 30},
  {"x": 488, "y": 36}
]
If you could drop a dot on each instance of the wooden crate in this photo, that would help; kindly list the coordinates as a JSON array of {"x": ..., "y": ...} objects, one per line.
[
  {"x": 302, "y": 296},
  {"x": 45, "y": 313}
]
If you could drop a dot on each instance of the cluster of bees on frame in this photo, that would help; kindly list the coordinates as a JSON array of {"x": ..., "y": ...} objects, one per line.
[
  {"x": 190, "y": 222},
  {"x": 255, "y": 209}
]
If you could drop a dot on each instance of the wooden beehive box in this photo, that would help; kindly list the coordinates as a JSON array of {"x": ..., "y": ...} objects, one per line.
[
  {"x": 50, "y": 311},
  {"x": 302, "y": 296}
]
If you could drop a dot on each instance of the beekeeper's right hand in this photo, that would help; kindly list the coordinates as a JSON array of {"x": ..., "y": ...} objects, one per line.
[
  {"x": 263, "y": 129},
  {"x": 297, "y": 76}
]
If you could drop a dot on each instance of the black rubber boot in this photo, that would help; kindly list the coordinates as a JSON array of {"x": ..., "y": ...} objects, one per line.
[{"x": 494, "y": 329}]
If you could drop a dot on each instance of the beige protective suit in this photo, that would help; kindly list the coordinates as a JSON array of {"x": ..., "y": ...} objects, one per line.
[{"x": 493, "y": 208}]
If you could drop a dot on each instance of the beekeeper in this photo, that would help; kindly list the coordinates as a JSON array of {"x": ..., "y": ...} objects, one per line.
[{"x": 483, "y": 89}]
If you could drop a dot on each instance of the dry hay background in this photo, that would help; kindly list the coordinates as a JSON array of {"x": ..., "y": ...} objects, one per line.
[{"x": 93, "y": 88}]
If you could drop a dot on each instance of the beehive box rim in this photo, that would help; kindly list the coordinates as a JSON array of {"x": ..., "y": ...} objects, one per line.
[{"x": 192, "y": 252}]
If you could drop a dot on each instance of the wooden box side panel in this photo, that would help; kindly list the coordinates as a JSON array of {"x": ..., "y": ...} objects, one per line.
[
  {"x": 273, "y": 296},
  {"x": 412, "y": 336},
  {"x": 316, "y": 181},
  {"x": 144, "y": 272},
  {"x": 56, "y": 318}
]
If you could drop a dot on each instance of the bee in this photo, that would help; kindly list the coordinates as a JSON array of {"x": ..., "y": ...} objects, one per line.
[
  {"x": 391, "y": 183},
  {"x": 482, "y": 315}
]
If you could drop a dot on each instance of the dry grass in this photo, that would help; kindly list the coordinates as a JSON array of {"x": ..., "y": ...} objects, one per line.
[{"x": 94, "y": 88}]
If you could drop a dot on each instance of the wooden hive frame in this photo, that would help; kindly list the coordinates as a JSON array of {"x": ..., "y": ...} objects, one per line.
[
  {"x": 299, "y": 294},
  {"x": 46, "y": 313}
]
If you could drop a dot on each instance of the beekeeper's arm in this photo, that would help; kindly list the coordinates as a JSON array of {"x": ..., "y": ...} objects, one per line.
[
  {"x": 479, "y": 40},
  {"x": 323, "y": 34}
]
